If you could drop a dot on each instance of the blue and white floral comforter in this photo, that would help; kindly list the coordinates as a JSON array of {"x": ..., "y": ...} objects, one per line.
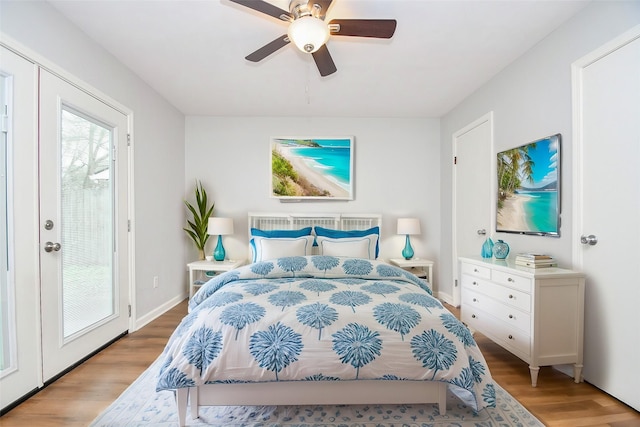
[{"x": 321, "y": 318}]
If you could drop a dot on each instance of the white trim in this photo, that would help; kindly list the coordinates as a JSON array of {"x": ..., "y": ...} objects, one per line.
[
  {"x": 159, "y": 311},
  {"x": 58, "y": 71}
]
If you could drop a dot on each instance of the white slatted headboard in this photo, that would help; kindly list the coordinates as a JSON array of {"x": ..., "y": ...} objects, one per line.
[{"x": 294, "y": 221}]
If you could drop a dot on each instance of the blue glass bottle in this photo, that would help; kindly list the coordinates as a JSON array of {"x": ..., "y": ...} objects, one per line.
[{"x": 487, "y": 248}]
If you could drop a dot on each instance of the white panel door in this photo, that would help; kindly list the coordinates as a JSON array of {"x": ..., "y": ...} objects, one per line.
[
  {"x": 19, "y": 299},
  {"x": 83, "y": 223},
  {"x": 608, "y": 208},
  {"x": 473, "y": 187}
]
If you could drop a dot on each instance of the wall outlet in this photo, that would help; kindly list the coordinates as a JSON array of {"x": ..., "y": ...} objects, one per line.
[{"x": 155, "y": 282}]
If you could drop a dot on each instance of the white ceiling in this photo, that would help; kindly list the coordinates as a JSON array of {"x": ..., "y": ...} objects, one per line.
[{"x": 192, "y": 53}]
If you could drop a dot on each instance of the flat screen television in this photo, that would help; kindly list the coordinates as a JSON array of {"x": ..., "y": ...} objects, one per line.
[{"x": 529, "y": 188}]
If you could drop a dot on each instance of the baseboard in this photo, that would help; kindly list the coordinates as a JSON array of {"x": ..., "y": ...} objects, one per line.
[
  {"x": 159, "y": 311},
  {"x": 445, "y": 297}
]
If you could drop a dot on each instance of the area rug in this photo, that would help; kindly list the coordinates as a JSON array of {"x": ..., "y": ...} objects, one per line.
[{"x": 141, "y": 405}]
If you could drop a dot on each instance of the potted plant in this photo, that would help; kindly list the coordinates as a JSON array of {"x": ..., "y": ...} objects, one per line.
[{"x": 200, "y": 219}]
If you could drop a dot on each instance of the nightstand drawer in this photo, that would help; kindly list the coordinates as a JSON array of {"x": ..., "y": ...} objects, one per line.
[
  {"x": 514, "y": 280},
  {"x": 476, "y": 270}
]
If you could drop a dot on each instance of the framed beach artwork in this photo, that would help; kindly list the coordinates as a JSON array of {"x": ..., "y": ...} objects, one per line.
[
  {"x": 312, "y": 168},
  {"x": 529, "y": 188}
]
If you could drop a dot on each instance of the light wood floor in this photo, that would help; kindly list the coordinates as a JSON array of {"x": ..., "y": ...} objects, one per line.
[{"x": 79, "y": 396}]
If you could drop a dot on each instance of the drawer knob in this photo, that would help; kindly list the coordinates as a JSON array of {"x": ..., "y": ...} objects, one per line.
[
  {"x": 510, "y": 337},
  {"x": 475, "y": 270},
  {"x": 510, "y": 296},
  {"x": 511, "y": 316},
  {"x": 510, "y": 280},
  {"x": 475, "y": 283},
  {"x": 475, "y": 300},
  {"x": 473, "y": 316}
]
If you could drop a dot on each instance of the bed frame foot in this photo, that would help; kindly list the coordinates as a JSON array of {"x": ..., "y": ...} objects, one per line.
[
  {"x": 442, "y": 398},
  {"x": 195, "y": 402},
  {"x": 181, "y": 401}
]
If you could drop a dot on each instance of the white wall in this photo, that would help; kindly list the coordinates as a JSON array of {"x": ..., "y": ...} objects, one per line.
[
  {"x": 531, "y": 99},
  {"x": 158, "y": 144},
  {"x": 397, "y": 168}
]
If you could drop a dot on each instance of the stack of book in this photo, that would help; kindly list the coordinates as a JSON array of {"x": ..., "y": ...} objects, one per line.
[{"x": 535, "y": 260}]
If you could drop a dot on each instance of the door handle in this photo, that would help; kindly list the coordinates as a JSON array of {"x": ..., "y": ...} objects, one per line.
[
  {"x": 589, "y": 240},
  {"x": 50, "y": 246},
  {"x": 482, "y": 232}
]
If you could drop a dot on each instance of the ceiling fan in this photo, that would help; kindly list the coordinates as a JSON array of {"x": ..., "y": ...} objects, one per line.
[{"x": 309, "y": 31}]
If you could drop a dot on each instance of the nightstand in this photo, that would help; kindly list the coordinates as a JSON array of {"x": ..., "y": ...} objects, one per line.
[
  {"x": 423, "y": 268},
  {"x": 205, "y": 265}
]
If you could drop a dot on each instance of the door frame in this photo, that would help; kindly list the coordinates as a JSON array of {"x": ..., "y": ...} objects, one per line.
[
  {"x": 488, "y": 117},
  {"x": 577, "y": 69},
  {"x": 43, "y": 63}
]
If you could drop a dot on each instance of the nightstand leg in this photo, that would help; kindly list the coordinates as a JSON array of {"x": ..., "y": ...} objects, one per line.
[{"x": 190, "y": 283}]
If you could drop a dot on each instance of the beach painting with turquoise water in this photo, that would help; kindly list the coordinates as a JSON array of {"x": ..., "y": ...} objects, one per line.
[
  {"x": 312, "y": 168},
  {"x": 528, "y": 188}
]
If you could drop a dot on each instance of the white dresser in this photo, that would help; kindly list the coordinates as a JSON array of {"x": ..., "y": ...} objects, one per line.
[{"x": 538, "y": 315}]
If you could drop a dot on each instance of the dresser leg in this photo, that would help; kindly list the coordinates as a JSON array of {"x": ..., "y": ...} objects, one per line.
[
  {"x": 577, "y": 373},
  {"x": 534, "y": 375}
]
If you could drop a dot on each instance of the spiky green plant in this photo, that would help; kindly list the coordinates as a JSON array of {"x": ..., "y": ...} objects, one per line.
[{"x": 198, "y": 224}]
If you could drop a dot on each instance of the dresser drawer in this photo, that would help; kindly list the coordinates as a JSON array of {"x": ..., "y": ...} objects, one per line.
[
  {"x": 511, "y": 316},
  {"x": 511, "y": 338},
  {"x": 473, "y": 283},
  {"x": 476, "y": 270},
  {"x": 521, "y": 283},
  {"x": 502, "y": 294},
  {"x": 511, "y": 297}
]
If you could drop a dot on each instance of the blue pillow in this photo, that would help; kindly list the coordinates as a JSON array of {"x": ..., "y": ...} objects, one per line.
[
  {"x": 340, "y": 234},
  {"x": 281, "y": 233}
]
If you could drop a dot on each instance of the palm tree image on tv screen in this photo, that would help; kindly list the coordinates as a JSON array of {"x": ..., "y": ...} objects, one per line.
[{"x": 529, "y": 188}]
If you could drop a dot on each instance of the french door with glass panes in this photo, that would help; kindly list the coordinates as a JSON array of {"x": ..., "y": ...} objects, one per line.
[{"x": 83, "y": 223}]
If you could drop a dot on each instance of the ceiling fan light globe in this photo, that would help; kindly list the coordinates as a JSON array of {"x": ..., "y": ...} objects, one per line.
[{"x": 308, "y": 33}]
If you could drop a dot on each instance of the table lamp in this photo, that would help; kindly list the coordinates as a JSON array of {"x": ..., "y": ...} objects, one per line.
[
  {"x": 219, "y": 227},
  {"x": 408, "y": 226}
]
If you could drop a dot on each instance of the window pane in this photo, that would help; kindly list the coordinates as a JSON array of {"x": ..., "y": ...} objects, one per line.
[{"x": 87, "y": 221}]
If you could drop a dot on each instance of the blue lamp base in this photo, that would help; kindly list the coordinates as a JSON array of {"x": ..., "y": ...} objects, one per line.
[
  {"x": 219, "y": 252},
  {"x": 407, "y": 252}
]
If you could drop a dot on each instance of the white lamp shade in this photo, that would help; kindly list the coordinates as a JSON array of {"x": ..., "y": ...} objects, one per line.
[
  {"x": 408, "y": 226},
  {"x": 220, "y": 226},
  {"x": 308, "y": 33}
]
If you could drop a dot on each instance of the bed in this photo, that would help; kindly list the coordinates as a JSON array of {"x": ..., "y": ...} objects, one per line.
[{"x": 317, "y": 318}]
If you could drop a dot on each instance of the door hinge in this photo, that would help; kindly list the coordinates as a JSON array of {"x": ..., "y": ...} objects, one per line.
[
  {"x": 128, "y": 140},
  {"x": 128, "y": 225},
  {"x": 455, "y": 160},
  {"x": 129, "y": 310},
  {"x": 4, "y": 126}
]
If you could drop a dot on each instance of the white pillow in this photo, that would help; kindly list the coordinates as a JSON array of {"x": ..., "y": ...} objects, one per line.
[
  {"x": 353, "y": 247},
  {"x": 265, "y": 248}
]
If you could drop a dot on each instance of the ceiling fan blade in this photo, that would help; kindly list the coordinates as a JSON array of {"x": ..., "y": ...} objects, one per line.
[
  {"x": 264, "y": 7},
  {"x": 378, "y": 28},
  {"x": 324, "y": 6},
  {"x": 324, "y": 61},
  {"x": 268, "y": 49}
]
